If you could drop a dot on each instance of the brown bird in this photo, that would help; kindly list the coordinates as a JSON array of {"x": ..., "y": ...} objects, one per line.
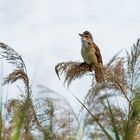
[{"x": 92, "y": 56}]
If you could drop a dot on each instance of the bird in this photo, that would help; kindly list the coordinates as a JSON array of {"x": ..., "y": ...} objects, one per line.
[{"x": 91, "y": 55}]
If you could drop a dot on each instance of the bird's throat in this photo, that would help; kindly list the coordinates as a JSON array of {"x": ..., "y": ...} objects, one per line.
[{"x": 84, "y": 43}]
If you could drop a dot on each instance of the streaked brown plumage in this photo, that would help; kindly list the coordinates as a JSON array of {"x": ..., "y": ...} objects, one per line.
[{"x": 91, "y": 55}]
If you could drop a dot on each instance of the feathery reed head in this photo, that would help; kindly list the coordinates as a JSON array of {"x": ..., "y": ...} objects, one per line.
[
  {"x": 12, "y": 57},
  {"x": 72, "y": 70},
  {"x": 114, "y": 72}
]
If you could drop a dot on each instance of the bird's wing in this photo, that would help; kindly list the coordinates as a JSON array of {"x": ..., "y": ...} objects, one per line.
[{"x": 98, "y": 53}]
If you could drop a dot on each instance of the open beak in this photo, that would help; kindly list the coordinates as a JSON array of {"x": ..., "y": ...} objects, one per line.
[{"x": 81, "y": 35}]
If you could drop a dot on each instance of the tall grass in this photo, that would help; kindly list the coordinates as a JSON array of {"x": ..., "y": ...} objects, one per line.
[
  {"x": 53, "y": 118},
  {"x": 27, "y": 115},
  {"x": 19, "y": 73},
  {"x": 121, "y": 81}
]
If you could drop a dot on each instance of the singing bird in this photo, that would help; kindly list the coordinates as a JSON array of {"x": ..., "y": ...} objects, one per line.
[{"x": 92, "y": 56}]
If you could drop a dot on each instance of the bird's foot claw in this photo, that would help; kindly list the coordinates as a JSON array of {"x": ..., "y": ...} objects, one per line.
[
  {"x": 83, "y": 63},
  {"x": 90, "y": 68}
]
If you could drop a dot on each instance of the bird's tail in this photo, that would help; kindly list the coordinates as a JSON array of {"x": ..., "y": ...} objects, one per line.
[{"x": 99, "y": 73}]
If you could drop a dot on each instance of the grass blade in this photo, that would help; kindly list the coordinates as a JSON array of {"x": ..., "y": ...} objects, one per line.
[
  {"x": 113, "y": 122},
  {"x": 96, "y": 120}
]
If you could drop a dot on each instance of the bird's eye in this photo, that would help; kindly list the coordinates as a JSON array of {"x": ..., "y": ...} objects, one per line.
[
  {"x": 86, "y": 36},
  {"x": 88, "y": 43}
]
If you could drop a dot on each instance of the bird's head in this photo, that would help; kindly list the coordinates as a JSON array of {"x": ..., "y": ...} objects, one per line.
[{"x": 86, "y": 37}]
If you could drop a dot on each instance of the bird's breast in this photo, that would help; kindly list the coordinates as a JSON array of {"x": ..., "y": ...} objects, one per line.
[{"x": 88, "y": 54}]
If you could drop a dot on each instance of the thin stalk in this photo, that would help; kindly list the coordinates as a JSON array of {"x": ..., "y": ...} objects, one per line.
[
  {"x": 1, "y": 93},
  {"x": 96, "y": 120},
  {"x": 113, "y": 122}
]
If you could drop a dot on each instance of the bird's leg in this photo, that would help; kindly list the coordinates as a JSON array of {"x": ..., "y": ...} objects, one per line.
[
  {"x": 83, "y": 63},
  {"x": 91, "y": 67}
]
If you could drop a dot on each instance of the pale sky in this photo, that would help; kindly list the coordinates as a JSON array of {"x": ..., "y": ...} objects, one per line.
[{"x": 45, "y": 32}]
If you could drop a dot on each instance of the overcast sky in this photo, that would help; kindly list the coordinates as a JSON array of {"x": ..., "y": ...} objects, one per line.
[{"x": 45, "y": 32}]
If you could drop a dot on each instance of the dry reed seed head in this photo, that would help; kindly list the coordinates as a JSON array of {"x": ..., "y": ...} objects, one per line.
[
  {"x": 62, "y": 111},
  {"x": 133, "y": 65},
  {"x": 115, "y": 74},
  {"x": 12, "y": 103},
  {"x": 2, "y": 45},
  {"x": 16, "y": 75},
  {"x": 134, "y": 54},
  {"x": 11, "y": 56},
  {"x": 114, "y": 80},
  {"x": 72, "y": 70}
]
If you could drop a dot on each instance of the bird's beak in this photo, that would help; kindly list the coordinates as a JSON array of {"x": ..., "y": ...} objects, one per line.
[{"x": 81, "y": 35}]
